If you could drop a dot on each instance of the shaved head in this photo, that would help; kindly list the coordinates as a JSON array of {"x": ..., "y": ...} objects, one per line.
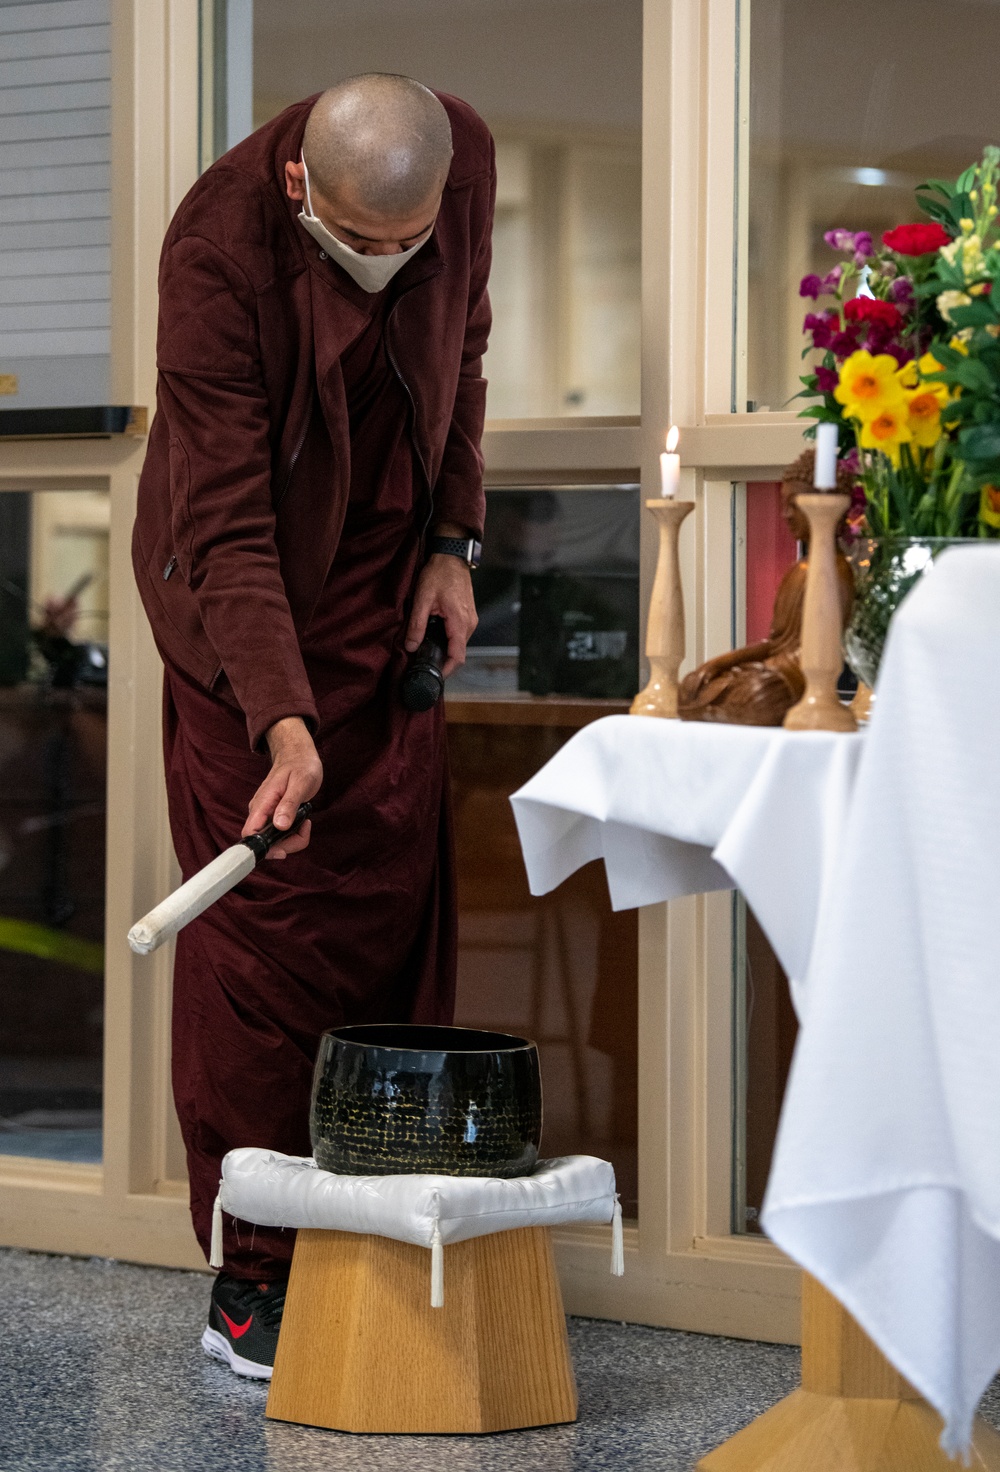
[{"x": 380, "y": 139}]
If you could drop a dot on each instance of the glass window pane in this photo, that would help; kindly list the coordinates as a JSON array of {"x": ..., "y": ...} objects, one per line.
[
  {"x": 556, "y": 646},
  {"x": 53, "y": 740},
  {"x": 560, "y": 968},
  {"x": 846, "y": 118},
  {"x": 557, "y": 595},
  {"x": 560, "y": 85}
]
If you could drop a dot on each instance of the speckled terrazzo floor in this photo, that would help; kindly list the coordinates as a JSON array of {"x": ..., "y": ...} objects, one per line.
[{"x": 101, "y": 1372}]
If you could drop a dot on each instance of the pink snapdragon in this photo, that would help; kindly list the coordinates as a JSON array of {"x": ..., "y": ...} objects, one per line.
[
  {"x": 817, "y": 286},
  {"x": 857, "y": 242}
]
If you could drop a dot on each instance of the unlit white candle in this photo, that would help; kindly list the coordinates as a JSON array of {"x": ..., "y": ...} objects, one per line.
[
  {"x": 825, "y": 474},
  {"x": 670, "y": 466}
]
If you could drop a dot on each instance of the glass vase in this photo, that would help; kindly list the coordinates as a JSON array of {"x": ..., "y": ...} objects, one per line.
[{"x": 885, "y": 569}]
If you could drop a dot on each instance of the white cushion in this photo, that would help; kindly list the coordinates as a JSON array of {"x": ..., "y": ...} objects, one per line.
[{"x": 274, "y": 1190}]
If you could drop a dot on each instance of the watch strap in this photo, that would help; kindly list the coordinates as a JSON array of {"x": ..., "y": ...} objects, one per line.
[{"x": 468, "y": 549}]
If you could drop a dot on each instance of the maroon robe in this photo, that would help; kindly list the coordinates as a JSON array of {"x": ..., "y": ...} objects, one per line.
[
  {"x": 241, "y": 502},
  {"x": 360, "y": 926},
  {"x": 288, "y": 478}
]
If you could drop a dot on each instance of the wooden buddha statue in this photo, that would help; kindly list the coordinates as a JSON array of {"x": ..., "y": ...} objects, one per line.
[{"x": 758, "y": 684}]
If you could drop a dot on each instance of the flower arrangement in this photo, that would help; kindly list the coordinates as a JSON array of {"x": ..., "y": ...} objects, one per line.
[{"x": 910, "y": 366}]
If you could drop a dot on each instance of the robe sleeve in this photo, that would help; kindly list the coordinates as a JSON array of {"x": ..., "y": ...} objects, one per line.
[
  {"x": 458, "y": 495},
  {"x": 211, "y": 393}
]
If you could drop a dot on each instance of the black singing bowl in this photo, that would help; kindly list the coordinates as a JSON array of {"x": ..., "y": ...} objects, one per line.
[{"x": 393, "y": 1099}]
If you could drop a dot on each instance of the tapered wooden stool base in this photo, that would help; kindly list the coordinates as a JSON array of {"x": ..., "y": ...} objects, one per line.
[
  {"x": 361, "y": 1349},
  {"x": 854, "y": 1412}
]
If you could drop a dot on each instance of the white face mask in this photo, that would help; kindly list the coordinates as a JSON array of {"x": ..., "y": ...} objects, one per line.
[{"x": 372, "y": 273}]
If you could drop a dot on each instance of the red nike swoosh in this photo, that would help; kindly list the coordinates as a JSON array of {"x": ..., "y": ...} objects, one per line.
[{"x": 236, "y": 1330}]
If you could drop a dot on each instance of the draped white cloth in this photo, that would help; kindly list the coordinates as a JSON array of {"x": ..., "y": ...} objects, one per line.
[
  {"x": 676, "y": 808},
  {"x": 873, "y": 864}
]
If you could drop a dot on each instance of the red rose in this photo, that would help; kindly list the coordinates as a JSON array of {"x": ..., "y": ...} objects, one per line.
[
  {"x": 916, "y": 240},
  {"x": 871, "y": 309}
]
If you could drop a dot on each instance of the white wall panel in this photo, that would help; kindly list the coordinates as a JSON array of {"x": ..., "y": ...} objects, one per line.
[
  {"x": 55, "y": 153},
  {"x": 66, "y": 123},
  {"x": 28, "y": 71},
  {"x": 79, "y": 287},
  {"x": 55, "y": 179},
  {"x": 20, "y": 263},
  {"x": 35, "y": 152},
  {"x": 56, "y": 95},
  {"x": 56, "y": 344},
  {"x": 50, "y": 14},
  {"x": 37, "y": 234},
  {"x": 38, "y": 316},
  {"x": 89, "y": 204},
  {"x": 65, "y": 41}
]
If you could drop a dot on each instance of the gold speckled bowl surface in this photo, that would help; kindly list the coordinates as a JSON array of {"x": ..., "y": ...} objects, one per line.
[{"x": 399, "y": 1099}]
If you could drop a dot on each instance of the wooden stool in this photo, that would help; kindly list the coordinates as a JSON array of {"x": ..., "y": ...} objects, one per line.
[
  {"x": 361, "y": 1349},
  {"x": 853, "y": 1413}
]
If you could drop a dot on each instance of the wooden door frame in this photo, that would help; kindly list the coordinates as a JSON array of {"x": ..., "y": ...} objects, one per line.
[{"x": 133, "y": 1205}]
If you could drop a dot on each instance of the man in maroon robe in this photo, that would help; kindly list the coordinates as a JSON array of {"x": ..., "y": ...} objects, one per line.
[{"x": 312, "y": 492}]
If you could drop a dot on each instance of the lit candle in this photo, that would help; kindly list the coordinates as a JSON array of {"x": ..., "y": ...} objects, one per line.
[
  {"x": 825, "y": 474},
  {"x": 670, "y": 465}
]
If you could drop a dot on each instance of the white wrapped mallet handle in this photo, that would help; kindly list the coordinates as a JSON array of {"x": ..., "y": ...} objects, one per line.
[{"x": 205, "y": 887}]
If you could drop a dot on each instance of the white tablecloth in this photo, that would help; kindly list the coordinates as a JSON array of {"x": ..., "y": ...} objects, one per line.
[
  {"x": 676, "y": 808},
  {"x": 873, "y": 864}
]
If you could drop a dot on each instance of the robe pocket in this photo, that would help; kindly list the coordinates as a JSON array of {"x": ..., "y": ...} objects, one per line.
[
  {"x": 181, "y": 523},
  {"x": 179, "y": 630}
]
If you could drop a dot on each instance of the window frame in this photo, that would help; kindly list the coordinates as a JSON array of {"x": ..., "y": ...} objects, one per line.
[{"x": 684, "y": 1267}]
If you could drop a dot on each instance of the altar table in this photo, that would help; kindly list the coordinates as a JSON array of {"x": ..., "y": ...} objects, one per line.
[{"x": 873, "y": 864}]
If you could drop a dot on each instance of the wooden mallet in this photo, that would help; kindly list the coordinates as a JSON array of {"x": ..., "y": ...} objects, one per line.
[{"x": 208, "y": 885}]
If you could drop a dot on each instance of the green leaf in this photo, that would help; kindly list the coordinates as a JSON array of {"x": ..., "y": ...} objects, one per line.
[
  {"x": 936, "y": 211},
  {"x": 981, "y": 442},
  {"x": 972, "y": 374},
  {"x": 977, "y": 314},
  {"x": 937, "y": 186}
]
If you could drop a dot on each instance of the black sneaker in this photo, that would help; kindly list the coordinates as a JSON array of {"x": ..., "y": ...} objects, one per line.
[{"x": 243, "y": 1323}]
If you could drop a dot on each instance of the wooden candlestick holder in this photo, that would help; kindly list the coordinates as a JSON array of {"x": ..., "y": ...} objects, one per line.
[
  {"x": 665, "y": 628},
  {"x": 822, "y": 657}
]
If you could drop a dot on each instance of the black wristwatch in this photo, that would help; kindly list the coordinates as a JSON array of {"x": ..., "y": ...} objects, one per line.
[{"x": 467, "y": 548}]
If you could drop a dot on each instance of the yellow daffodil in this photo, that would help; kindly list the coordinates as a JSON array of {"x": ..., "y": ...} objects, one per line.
[
  {"x": 868, "y": 385},
  {"x": 927, "y": 365},
  {"x": 989, "y": 506},
  {"x": 888, "y": 430},
  {"x": 924, "y": 414}
]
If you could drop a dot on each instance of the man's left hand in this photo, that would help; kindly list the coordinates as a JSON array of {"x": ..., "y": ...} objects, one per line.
[{"x": 445, "y": 588}]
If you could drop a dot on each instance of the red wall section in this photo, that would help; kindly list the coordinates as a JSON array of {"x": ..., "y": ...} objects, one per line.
[{"x": 771, "y": 550}]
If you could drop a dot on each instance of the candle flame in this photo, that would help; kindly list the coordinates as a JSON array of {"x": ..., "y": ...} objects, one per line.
[{"x": 672, "y": 439}]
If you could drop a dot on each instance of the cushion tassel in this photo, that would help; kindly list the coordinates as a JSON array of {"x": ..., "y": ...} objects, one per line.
[
  {"x": 617, "y": 1241},
  {"x": 215, "y": 1257},
  {"x": 437, "y": 1268}
]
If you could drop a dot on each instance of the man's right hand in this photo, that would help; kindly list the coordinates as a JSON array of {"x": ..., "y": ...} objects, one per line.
[{"x": 295, "y": 777}]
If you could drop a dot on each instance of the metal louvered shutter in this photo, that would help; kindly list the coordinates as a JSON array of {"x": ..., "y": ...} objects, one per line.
[{"x": 55, "y": 155}]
